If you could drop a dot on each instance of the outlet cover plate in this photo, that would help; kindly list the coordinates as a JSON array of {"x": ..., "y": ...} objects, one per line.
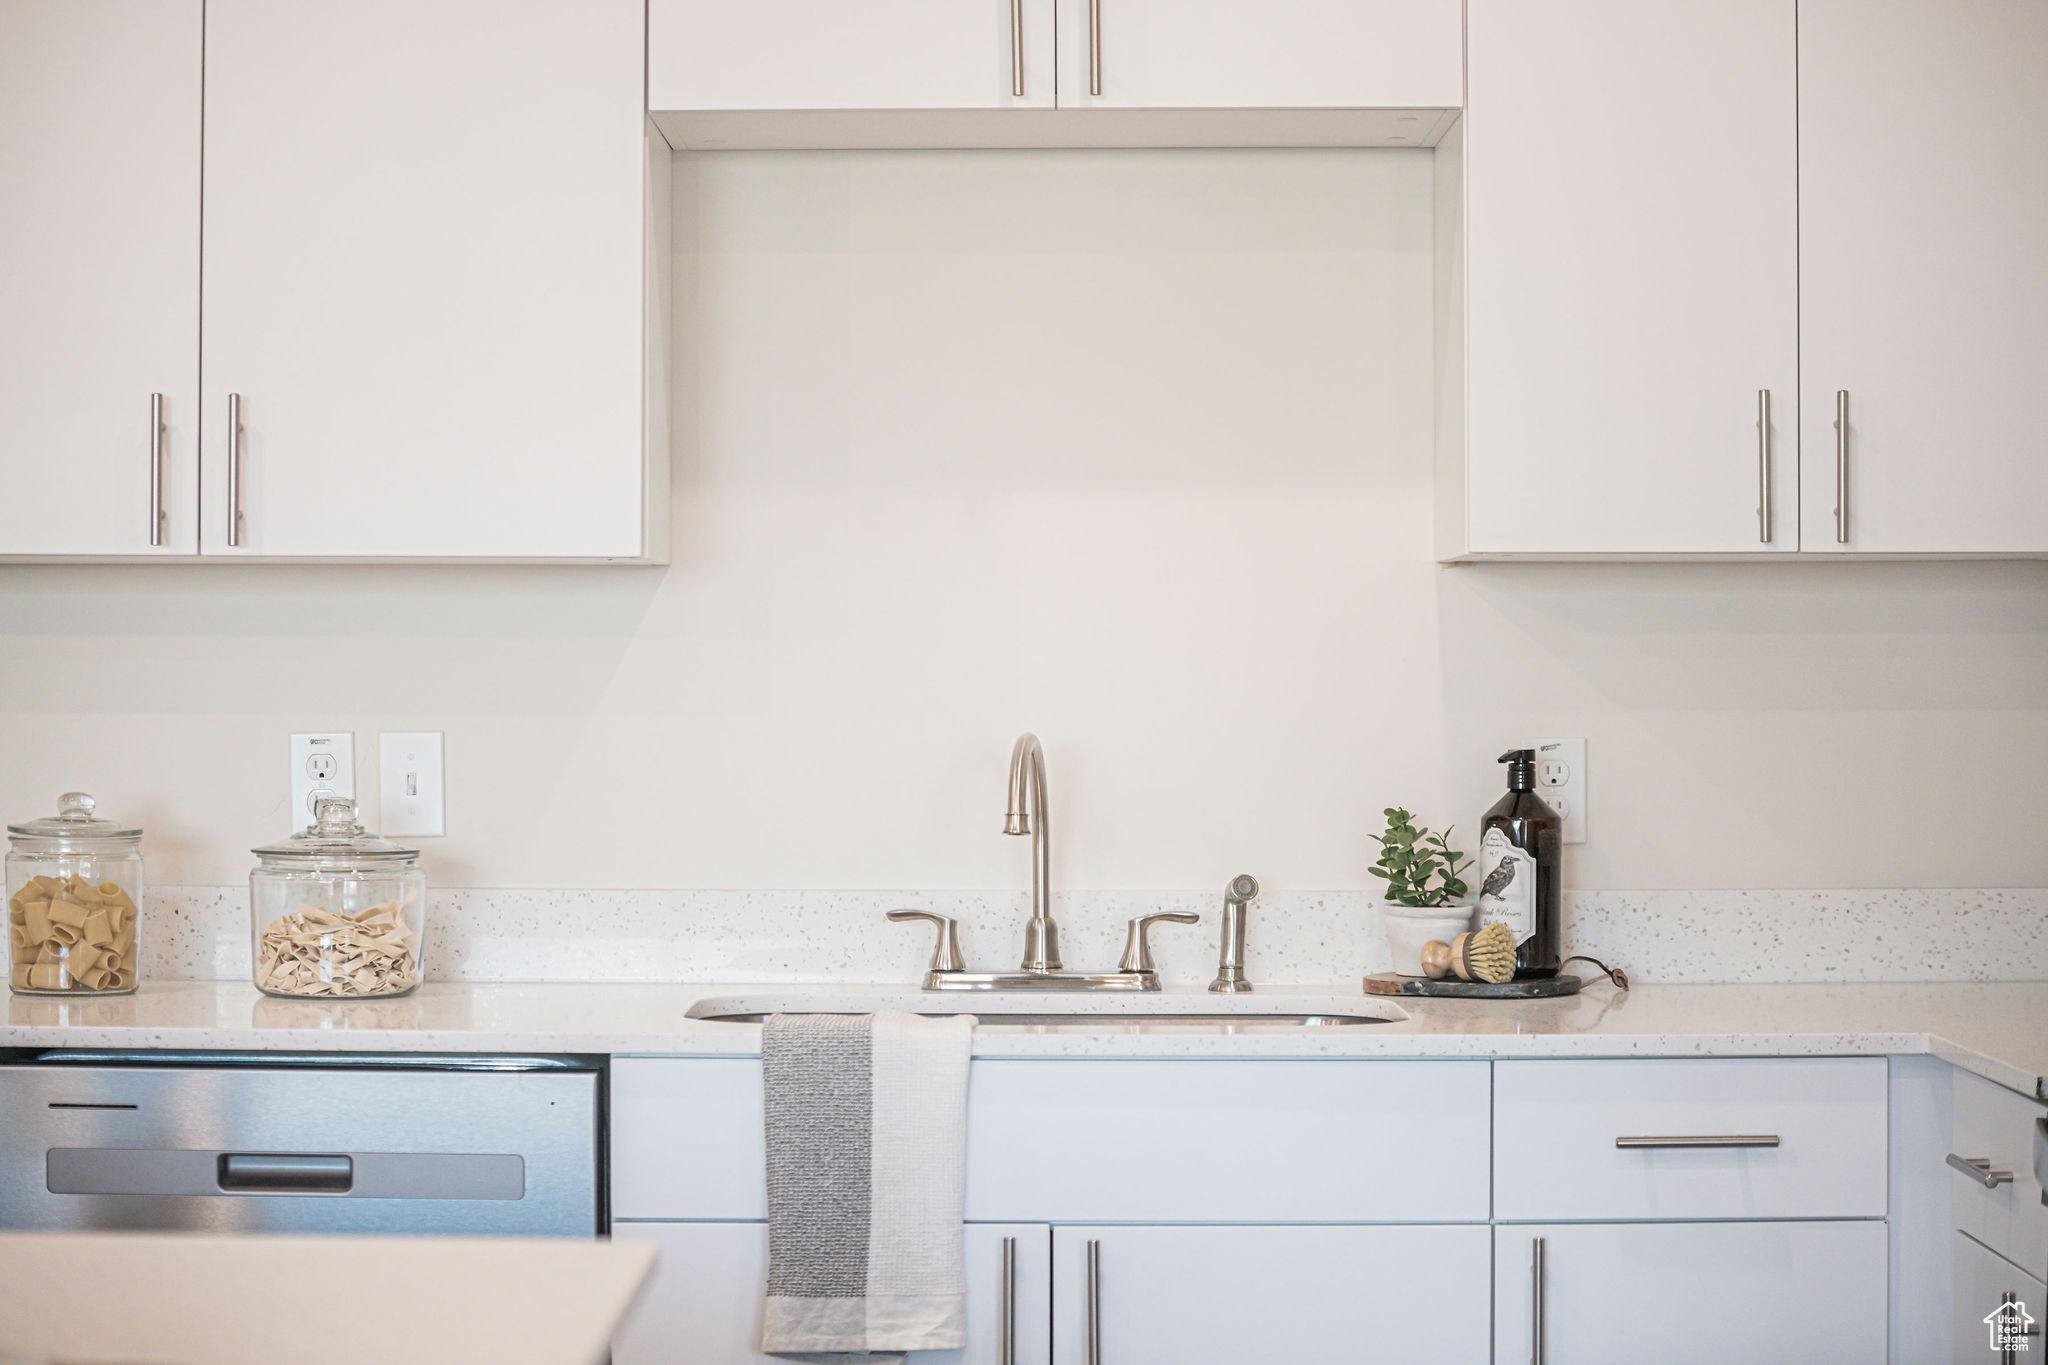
[
  {"x": 323, "y": 764},
  {"x": 1561, "y": 780},
  {"x": 410, "y": 784}
]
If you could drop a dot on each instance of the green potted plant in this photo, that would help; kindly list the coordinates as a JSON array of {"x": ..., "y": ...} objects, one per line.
[{"x": 1427, "y": 898}]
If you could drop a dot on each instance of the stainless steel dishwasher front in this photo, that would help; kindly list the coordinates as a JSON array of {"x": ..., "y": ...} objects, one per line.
[{"x": 260, "y": 1143}]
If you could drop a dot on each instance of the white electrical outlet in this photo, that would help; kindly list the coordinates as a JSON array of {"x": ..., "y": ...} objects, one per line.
[
  {"x": 323, "y": 765},
  {"x": 1561, "y": 782},
  {"x": 409, "y": 784}
]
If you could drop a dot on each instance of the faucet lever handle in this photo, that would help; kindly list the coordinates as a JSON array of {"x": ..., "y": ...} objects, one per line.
[
  {"x": 946, "y": 953},
  {"x": 1138, "y": 948}
]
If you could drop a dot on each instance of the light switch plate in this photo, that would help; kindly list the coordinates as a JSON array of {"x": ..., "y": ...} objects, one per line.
[
  {"x": 1561, "y": 781},
  {"x": 323, "y": 764},
  {"x": 410, "y": 783}
]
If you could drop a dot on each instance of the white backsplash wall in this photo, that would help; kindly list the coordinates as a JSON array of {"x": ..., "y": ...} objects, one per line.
[{"x": 1129, "y": 448}]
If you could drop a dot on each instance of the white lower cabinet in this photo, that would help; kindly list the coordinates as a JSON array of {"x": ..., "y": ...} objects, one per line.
[
  {"x": 1983, "y": 1280},
  {"x": 1227, "y": 1295},
  {"x": 1763, "y": 1293},
  {"x": 703, "y": 1306}
]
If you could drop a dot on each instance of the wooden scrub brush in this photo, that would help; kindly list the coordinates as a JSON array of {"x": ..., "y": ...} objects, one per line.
[{"x": 1488, "y": 956}]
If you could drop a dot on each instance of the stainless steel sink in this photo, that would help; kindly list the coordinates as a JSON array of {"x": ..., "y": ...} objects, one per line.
[{"x": 1100, "y": 1022}]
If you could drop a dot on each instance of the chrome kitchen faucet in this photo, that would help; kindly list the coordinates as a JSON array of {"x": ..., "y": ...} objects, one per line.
[{"x": 1041, "y": 968}]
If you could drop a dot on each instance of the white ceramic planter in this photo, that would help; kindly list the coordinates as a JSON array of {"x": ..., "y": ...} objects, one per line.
[{"x": 1408, "y": 929}]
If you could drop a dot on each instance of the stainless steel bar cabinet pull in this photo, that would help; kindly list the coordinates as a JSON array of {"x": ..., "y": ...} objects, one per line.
[
  {"x": 158, "y": 513},
  {"x": 236, "y": 435},
  {"x": 1095, "y": 47},
  {"x": 1536, "y": 1301},
  {"x": 1698, "y": 1143},
  {"x": 1841, "y": 466},
  {"x": 1978, "y": 1168},
  {"x": 1094, "y": 1302},
  {"x": 1017, "y": 48},
  {"x": 1763, "y": 465},
  {"x": 1006, "y": 1332}
]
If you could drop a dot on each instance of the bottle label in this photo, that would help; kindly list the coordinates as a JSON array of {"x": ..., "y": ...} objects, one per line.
[{"x": 1507, "y": 885}]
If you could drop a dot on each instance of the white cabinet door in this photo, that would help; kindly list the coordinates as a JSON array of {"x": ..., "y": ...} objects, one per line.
[
  {"x": 1982, "y": 1282},
  {"x": 703, "y": 1306},
  {"x": 1629, "y": 295},
  {"x": 1692, "y": 1293},
  {"x": 828, "y": 54},
  {"x": 1923, "y": 167},
  {"x": 424, "y": 277},
  {"x": 1228, "y": 1295},
  {"x": 99, "y": 275},
  {"x": 1276, "y": 54}
]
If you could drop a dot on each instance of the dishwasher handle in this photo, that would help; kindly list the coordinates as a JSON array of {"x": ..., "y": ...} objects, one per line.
[{"x": 286, "y": 1173}]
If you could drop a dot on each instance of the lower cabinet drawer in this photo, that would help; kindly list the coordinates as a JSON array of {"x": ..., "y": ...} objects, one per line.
[
  {"x": 703, "y": 1306},
  {"x": 1691, "y": 1293},
  {"x": 2003, "y": 1131},
  {"x": 1983, "y": 1322},
  {"x": 1106, "y": 1141},
  {"x": 1238, "y": 1295},
  {"x": 1708, "y": 1138}
]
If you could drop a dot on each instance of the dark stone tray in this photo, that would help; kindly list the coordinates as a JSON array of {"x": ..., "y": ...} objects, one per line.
[{"x": 1388, "y": 983}]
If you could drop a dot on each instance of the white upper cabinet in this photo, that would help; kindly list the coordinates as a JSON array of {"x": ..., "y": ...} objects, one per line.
[
  {"x": 426, "y": 280},
  {"x": 829, "y": 54},
  {"x": 99, "y": 276},
  {"x": 1276, "y": 54},
  {"x": 1923, "y": 130},
  {"x": 1631, "y": 279}
]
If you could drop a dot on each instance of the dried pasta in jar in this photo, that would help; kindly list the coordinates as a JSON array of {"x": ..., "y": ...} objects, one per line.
[
  {"x": 68, "y": 934},
  {"x": 316, "y": 951}
]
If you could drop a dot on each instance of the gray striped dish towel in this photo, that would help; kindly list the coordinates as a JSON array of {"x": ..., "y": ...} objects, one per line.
[{"x": 867, "y": 1184}]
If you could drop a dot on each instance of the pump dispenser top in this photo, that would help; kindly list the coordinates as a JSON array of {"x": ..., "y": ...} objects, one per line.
[{"x": 1521, "y": 769}]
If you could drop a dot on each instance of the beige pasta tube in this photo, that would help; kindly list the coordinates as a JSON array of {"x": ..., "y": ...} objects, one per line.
[{"x": 70, "y": 934}]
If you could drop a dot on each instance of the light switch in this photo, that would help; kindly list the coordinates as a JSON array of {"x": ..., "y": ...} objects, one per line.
[
  {"x": 409, "y": 783},
  {"x": 323, "y": 764},
  {"x": 1561, "y": 781}
]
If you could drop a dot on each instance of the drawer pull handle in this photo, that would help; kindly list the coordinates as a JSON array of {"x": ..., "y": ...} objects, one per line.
[
  {"x": 1094, "y": 1302},
  {"x": 1536, "y": 1301},
  {"x": 1978, "y": 1168},
  {"x": 1727, "y": 1140},
  {"x": 1006, "y": 1334},
  {"x": 285, "y": 1173}
]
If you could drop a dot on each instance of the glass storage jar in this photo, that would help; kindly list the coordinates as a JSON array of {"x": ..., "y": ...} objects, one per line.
[
  {"x": 337, "y": 911},
  {"x": 74, "y": 896}
]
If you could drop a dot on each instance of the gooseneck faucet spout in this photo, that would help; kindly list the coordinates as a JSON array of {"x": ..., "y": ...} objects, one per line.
[{"x": 1028, "y": 816}]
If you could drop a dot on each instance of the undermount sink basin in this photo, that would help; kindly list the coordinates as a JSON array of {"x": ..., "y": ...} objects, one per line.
[{"x": 1119, "y": 1021}]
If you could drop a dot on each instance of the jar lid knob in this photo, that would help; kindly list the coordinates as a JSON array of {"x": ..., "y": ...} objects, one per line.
[
  {"x": 75, "y": 806},
  {"x": 334, "y": 814}
]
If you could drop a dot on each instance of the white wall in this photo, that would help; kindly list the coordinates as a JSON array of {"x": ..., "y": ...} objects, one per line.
[{"x": 1129, "y": 448}]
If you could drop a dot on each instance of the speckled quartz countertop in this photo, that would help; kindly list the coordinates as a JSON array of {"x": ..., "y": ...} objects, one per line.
[{"x": 1999, "y": 1030}]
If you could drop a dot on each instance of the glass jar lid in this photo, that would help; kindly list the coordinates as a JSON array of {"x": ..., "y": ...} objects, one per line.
[
  {"x": 73, "y": 821},
  {"x": 335, "y": 838}
]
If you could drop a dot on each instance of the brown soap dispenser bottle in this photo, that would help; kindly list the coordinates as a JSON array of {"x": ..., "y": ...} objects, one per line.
[{"x": 1521, "y": 845}]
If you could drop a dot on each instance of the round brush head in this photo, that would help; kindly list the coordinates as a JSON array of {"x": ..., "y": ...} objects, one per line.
[{"x": 1487, "y": 955}]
